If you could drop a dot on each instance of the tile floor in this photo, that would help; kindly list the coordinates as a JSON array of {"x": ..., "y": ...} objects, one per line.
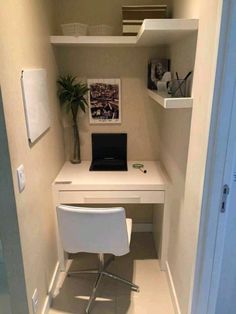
[{"x": 141, "y": 266}]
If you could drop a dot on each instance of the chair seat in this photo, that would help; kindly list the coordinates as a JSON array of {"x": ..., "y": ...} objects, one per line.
[
  {"x": 129, "y": 228},
  {"x": 94, "y": 230}
]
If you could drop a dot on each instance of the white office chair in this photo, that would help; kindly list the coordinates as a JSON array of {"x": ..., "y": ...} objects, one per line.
[{"x": 95, "y": 230}]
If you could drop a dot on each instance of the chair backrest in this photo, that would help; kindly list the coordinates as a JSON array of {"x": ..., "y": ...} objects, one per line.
[{"x": 93, "y": 230}]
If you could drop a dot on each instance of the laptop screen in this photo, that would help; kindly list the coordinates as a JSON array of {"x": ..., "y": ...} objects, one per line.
[{"x": 109, "y": 151}]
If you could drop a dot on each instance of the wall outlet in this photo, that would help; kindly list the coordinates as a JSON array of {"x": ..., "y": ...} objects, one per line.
[
  {"x": 21, "y": 177},
  {"x": 35, "y": 301}
]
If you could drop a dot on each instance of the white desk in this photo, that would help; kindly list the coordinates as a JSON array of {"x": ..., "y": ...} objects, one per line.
[{"x": 75, "y": 184}]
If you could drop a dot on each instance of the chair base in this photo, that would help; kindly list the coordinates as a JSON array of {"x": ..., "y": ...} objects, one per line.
[{"x": 101, "y": 271}]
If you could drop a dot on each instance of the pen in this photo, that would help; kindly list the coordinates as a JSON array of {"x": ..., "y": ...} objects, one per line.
[{"x": 143, "y": 170}]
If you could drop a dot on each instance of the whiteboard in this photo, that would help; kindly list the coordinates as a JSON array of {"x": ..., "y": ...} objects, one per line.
[{"x": 36, "y": 104}]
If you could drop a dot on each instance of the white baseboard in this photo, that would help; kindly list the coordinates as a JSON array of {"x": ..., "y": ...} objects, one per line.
[
  {"x": 172, "y": 290},
  {"x": 146, "y": 227},
  {"x": 56, "y": 283},
  {"x": 51, "y": 289}
]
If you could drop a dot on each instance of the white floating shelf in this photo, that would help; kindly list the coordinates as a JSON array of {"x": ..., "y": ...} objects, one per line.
[
  {"x": 153, "y": 32},
  {"x": 103, "y": 41},
  {"x": 168, "y": 102},
  {"x": 165, "y": 31}
]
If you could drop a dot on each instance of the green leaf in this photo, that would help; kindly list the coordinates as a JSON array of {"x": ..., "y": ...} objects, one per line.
[
  {"x": 82, "y": 106},
  {"x": 72, "y": 94}
]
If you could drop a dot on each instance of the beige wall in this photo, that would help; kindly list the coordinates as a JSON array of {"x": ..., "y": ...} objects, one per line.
[
  {"x": 140, "y": 115},
  {"x": 24, "y": 31},
  {"x": 174, "y": 135},
  {"x": 186, "y": 8},
  {"x": 94, "y": 12},
  {"x": 185, "y": 158}
]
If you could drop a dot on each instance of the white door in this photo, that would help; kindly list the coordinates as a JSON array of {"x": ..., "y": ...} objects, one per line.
[
  {"x": 226, "y": 296},
  {"x": 222, "y": 296}
]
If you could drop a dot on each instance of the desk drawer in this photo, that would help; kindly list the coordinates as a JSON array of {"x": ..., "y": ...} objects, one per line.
[{"x": 111, "y": 197}]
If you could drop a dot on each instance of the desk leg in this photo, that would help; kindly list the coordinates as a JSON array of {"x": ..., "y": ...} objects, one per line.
[
  {"x": 161, "y": 232},
  {"x": 62, "y": 256}
]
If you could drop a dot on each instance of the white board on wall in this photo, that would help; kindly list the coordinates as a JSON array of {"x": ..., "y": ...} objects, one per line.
[{"x": 35, "y": 96}]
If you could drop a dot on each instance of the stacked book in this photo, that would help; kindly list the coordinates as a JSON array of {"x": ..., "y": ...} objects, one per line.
[{"x": 133, "y": 16}]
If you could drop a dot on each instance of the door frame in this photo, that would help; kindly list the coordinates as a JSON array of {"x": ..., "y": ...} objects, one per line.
[
  {"x": 219, "y": 166},
  {"x": 9, "y": 229}
]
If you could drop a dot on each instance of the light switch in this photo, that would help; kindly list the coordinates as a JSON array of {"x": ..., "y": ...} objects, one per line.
[{"x": 21, "y": 177}]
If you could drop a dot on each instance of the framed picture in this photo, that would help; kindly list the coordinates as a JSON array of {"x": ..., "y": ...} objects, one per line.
[
  {"x": 104, "y": 101},
  {"x": 156, "y": 70}
]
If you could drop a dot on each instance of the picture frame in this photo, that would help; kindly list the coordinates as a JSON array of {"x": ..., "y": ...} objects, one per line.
[
  {"x": 104, "y": 101},
  {"x": 156, "y": 70}
]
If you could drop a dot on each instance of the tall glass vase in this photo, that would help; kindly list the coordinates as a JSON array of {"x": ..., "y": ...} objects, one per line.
[{"x": 75, "y": 158}]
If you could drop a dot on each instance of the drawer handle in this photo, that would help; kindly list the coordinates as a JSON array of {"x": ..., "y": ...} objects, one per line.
[{"x": 135, "y": 199}]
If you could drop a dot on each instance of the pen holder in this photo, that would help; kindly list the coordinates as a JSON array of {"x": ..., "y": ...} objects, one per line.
[{"x": 177, "y": 88}]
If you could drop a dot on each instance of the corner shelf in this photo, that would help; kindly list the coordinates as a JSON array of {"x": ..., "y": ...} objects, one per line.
[
  {"x": 165, "y": 31},
  {"x": 153, "y": 32},
  {"x": 168, "y": 102}
]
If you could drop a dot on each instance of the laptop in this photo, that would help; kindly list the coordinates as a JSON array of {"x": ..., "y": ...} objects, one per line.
[{"x": 109, "y": 152}]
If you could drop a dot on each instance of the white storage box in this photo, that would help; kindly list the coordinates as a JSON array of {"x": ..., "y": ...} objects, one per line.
[
  {"x": 100, "y": 30},
  {"x": 74, "y": 29}
]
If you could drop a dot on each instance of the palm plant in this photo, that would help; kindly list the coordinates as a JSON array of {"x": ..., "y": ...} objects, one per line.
[{"x": 72, "y": 96}]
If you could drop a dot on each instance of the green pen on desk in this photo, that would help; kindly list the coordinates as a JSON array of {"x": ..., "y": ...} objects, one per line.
[{"x": 140, "y": 167}]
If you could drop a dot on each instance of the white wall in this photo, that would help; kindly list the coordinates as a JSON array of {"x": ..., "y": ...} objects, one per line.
[
  {"x": 94, "y": 12},
  {"x": 174, "y": 138},
  {"x": 24, "y": 30},
  {"x": 203, "y": 88},
  {"x": 140, "y": 116},
  {"x": 185, "y": 194}
]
